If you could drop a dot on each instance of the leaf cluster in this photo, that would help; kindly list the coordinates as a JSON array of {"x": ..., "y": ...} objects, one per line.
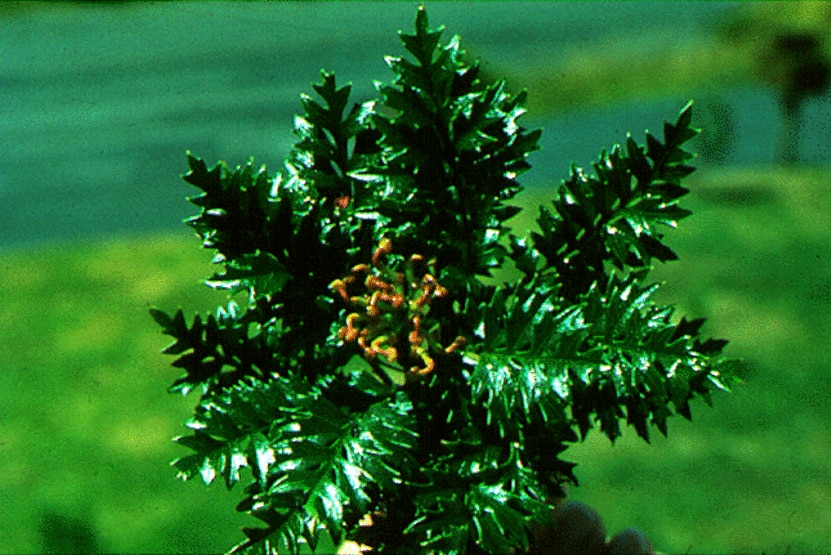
[{"x": 464, "y": 458}]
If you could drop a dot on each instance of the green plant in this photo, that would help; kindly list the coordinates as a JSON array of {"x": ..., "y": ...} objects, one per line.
[{"x": 371, "y": 369}]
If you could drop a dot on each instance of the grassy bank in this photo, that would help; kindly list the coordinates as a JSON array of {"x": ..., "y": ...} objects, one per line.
[{"x": 86, "y": 424}]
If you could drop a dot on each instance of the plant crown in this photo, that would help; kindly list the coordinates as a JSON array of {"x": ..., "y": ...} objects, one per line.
[{"x": 371, "y": 370}]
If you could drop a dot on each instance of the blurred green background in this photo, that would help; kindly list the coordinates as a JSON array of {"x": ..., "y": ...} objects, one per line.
[{"x": 98, "y": 103}]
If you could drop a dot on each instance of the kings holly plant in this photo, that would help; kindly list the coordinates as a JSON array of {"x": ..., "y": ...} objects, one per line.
[{"x": 366, "y": 365}]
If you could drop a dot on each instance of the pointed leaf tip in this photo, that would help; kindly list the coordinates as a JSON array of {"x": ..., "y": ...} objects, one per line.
[
  {"x": 685, "y": 116},
  {"x": 161, "y": 318}
]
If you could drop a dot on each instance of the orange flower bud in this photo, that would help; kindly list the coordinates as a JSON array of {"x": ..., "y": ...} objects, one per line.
[
  {"x": 338, "y": 286},
  {"x": 342, "y": 202},
  {"x": 384, "y": 248},
  {"x": 391, "y": 353},
  {"x": 458, "y": 342},
  {"x": 396, "y": 300},
  {"x": 415, "y": 338},
  {"x": 429, "y": 364},
  {"x": 374, "y": 282}
]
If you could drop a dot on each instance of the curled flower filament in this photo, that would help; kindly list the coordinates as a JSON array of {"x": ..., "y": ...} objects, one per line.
[{"x": 390, "y": 314}]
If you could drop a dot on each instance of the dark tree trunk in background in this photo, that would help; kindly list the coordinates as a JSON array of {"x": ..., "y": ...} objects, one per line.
[{"x": 807, "y": 73}]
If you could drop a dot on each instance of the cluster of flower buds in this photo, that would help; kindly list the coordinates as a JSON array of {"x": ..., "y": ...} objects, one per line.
[{"x": 392, "y": 311}]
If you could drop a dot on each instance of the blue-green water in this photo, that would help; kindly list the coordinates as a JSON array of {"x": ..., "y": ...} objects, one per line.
[{"x": 98, "y": 102}]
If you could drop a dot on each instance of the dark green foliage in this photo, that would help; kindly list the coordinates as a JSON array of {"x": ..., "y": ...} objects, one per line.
[
  {"x": 450, "y": 155},
  {"x": 613, "y": 217},
  {"x": 345, "y": 399}
]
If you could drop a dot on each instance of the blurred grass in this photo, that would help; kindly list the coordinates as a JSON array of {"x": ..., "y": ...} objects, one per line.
[{"x": 86, "y": 425}]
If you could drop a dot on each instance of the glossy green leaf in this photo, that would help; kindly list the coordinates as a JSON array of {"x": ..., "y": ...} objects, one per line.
[{"x": 252, "y": 272}]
